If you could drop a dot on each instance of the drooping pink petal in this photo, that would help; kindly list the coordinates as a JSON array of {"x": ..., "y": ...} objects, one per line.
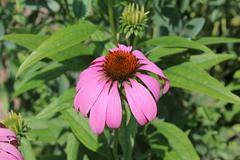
[
  {"x": 114, "y": 49},
  {"x": 87, "y": 75},
  {"x": 88, "y": 94},
  {"x": 144, "y": 100},
  {"x": 6, "y": 156},
  {"x": 121, "y": 47},
  {"x": 114, "y": 108},
  {"x": 4, "y": 132},
  {"x": 151, "y": 67},
  {"x": 139, "y": 54},
  {"x": 125, "y": 48},
  {"x": 134, "y": 104},
  {"x": 8, "y": 136},
  {"x": 10, "y": 151},
  {"x": 152, "y": 84},
  {"x": 98, "y": 111},
  {"x": 97, "y": 60},
  {"x": 139, "y": 98}
]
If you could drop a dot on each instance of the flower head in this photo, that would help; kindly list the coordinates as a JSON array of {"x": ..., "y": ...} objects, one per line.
[
  {"x": 99, "y": 88},
  {"x": 133, "y": 20},
  {"x": 8, "y": 144}
]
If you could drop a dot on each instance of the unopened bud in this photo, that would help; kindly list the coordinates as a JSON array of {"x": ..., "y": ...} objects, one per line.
[{"x": 133, "y": 20}]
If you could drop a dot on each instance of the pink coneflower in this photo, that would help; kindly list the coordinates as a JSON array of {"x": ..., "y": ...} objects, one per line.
[
  {"x": 122, "y": 69},
  {"x": 8, "y": 144}
]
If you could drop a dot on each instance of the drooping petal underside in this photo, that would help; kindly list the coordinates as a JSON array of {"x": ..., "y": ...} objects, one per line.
[
  {"x": 151, "y": 67},
  {"x": 9, "y": 151},
  {"x": 141, "y": 102},
  {"x": 152, "y": 84},
  {"x": 114, "y": 108},
  {"x": 98, "y": 111}
]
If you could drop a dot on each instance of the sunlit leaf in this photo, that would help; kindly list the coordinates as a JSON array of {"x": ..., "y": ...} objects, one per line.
[
  {"x": 177, "y": 42},
  {"x": 218, "y": 40},
  {"x": 72, "y": 147},
  {"x": 59, "y": 41},
  {"x": 177, "y": 139},
  {"x": 26, "y": 149},
  {"x": 209, "y": 60},
  {"x": 189, "y": 76},
  {"x": 29, "y": 41}
]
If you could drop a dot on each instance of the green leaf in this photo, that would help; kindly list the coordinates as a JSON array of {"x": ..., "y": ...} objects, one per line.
[
  {"x": 217, "y": 40},
  {"x": 177, "y": 42},
  {"x": 28, "y": 86},
  {"x": 44, "y": 130},
  {"x": 237, "y": 74},
  {"x": 33, "y": 79},
  {"x": 193, "y": 27},
  {"x": 61, "y": 103},
  {"x": 159, "y": 52},
  {"x": 172, "y": 155},
  {"x": 72, "y": 147},
  {"x": 177, "y": 139},
  {"x": 59, "y": 41},
  {"x": 190, "y": 76},
  {"x": 84, "y": 134},
  {"x": 126, "y": 137},
  {"x": 26, "y": 149},
  {"x": 80, "y": 128},
  {"x": 53, "y": 5},
  {"x": 100, "y": 36},
  {"x": 32, "y": 41},
  {"x": 29, "y": 41},
  {"x": 207, "y": 61}
]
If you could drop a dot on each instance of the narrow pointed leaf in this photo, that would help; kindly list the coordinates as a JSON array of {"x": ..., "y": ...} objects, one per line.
[
  {"x": 59, "y": 41},
  {"x": 191, "y": 77},
  {"x": 178, "y": 140},
  {"x": 218, "y": 40},
  {"x": 207, "y": 61},
  {"x": 29, "y": 41},
  {"x": 178, "y": 42}
]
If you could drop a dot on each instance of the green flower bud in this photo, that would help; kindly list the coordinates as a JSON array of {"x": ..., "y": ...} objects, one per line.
[
  {"x": 133, "y": 20},
  {"x": 15, "y": 123}
]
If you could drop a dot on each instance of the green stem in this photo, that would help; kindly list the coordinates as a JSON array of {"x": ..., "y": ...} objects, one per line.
[
  {"x": 115, "y": 145},
  {"x": 111, "y": 20},
  {"x": 133, "y": 40}
]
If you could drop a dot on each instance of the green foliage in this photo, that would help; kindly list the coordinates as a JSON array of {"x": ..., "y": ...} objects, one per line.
[
  {"x": 45, "y": 44},
  {"x": 181, "y": 147},
  {"x": 190, "y": 76}
]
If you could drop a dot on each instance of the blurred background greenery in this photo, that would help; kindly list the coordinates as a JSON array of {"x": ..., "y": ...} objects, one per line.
[{"x": 213, "y": 126}]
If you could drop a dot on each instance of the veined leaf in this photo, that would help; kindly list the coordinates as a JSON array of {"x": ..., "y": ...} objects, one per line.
[
  {"x": 209, "y": 60},
  {"x": 72, "y": 147},
  {"x": 26, "y": 149},
  {"x": 177, "y": 42},
  {"x": 35, "y": 79},
  {"x": 81, "y": 130},
  {"x": 33, "y": 41},
  {"x": 217, "y": 40},
  {"x": 178, "y": 140},
  {"x": 59, "y": 41},
  {"x": 29, "y": 41},
  {"x": 190, "y": 76},
  {"x": 100, "y": 36},
  {"x": 61, "y": 103},
  {"x": 159, "y": 52},
  {"x": 193, "y": 27},
  {"x": 44, "y": 130}
]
